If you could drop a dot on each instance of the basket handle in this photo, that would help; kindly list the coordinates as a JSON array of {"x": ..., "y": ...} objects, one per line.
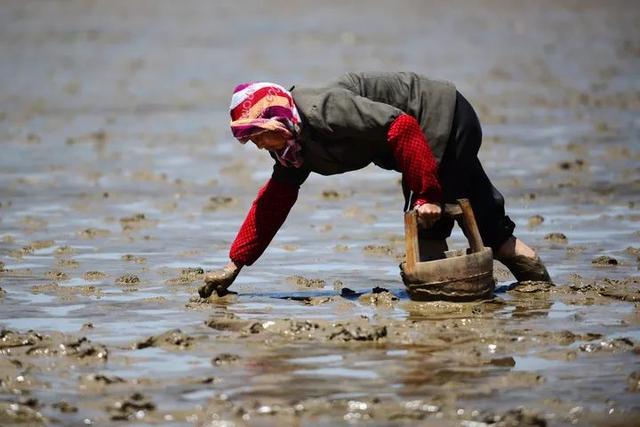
[
  {"x": 470, "y": 226},
  {"x": 461, "y": 211}
]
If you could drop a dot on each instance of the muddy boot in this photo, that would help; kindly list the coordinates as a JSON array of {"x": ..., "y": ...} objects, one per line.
[
  {"x": 524, "y": 268},
  {"x": 432, "y": 249}
]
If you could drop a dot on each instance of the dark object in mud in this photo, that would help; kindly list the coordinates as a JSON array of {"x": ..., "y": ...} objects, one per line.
[
  {"x": 65, "y": 407},
  {"x": 216, "y": 202},
  {"x": 187, "y": 276},
  {"x": 457, "y": 278},
  {"x": 303, "y": 282},
  {"x": 128, "y": 279},
  {"x": 556, "y": 238},
  {"x": 129, "y": 408},
  {"x": 520, "y": 417},
  {"x": 224, "y": 359},
  {"x": 577, "y": 164},
  {"x": 605, "y": 261},
  {"x": 349, "y": 293},
  {"x": 174, "y": 338},
  {"x": 346, "y": 333},
  {"x": 614, "y": 345},
  {"x": 503, "y": 361},
  {"x": 81, "y": 348}
]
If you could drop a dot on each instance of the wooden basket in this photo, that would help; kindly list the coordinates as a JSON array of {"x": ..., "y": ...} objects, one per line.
[{"x": 464, "y": 277}]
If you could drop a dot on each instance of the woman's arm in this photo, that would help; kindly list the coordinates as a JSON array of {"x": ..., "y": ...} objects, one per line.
[
  {"x": 415, "y": 160},
  {"x": 267, "y": 214},
  {"x": 418, "y": 166}
]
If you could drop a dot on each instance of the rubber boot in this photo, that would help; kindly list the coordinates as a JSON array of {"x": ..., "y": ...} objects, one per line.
[{"x": 525, "y": 268}]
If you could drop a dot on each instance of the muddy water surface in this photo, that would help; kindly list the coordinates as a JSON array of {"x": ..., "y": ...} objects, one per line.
[{"x": 120, "y": 185}]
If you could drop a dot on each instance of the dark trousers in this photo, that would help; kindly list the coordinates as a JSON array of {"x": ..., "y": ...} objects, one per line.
[{"x": 461, "y": 176}]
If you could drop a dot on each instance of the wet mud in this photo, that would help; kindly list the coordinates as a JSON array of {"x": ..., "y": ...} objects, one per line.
[{"x": 120, "y": 187}]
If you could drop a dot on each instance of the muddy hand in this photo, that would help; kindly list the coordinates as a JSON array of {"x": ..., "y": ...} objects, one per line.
[{"x": 218, "y": 281}]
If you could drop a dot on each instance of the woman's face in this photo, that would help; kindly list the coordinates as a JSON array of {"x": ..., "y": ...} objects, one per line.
[{"x": 269, "y": 140}]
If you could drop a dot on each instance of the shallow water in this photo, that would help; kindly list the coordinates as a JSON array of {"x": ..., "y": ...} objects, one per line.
[{"x": 115, "y": 109}]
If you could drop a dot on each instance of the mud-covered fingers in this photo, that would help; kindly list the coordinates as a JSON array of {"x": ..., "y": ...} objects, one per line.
[
  {"x": 218, "y": 281},
  {"x": 206, "y": 290}
]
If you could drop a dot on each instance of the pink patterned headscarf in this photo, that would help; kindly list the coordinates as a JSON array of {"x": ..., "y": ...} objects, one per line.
[{"x": 262, "y": 107}]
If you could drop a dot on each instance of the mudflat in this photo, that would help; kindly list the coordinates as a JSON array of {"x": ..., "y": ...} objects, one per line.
[{"x": 120, "y": 186}]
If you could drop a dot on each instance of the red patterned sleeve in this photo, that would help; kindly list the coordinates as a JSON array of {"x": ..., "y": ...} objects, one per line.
[
  {"x": 266, "y": 216},
  {"x": 415, "y": 159}
]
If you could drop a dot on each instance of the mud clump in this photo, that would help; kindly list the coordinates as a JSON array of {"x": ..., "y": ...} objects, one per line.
[
  {"x": 605, "y": 261},
  {"x": 66, "y": 291},
  {"x": 225, "y": 359},
  {"x": 128, "y": 280},
  {"x": 94, "y": 276},
  {"x": 68, "y": 263},
  {"x": 56, "y": 275},
  {"x": 133, "y": 407},
  {"x": 295, "y": 330},
  {"x": 575, "y": 165},
  {"x": 312, "y": 301},
  {"x": 530, "y": 287},
  {"x": 99, "y": 382},
  {"x": 218, "y": 202},
  {"x": 134, "y": 258},
  {"x": 10, "y": 339},
  {"x": 535, "y": 220},
  {"x": 559, "y": 238},
  {"x": 303, "y": 282},
  {"x": 187, "y": 276},
  {"x": 19, "y": 253},
  {"x": 93, "y": 233},
  {"x": 623, "y": 290},
  {"x": 174, "y": 339},
  {"x": 64, "y": 250},
  {"x": 229, "y": 322},
  {"x": 16, "y": 413},
  {"x": 213, "y": 300},
  {"x": 81, "y": 349},
  {"x": 332, "y": 194},
  {"x": 614, "y": 345},
  {"x": 65, "y": 407},
  {"x": 633, "y": 382},
  {"x": 42, "y": 244},
  {"x": 136, "y": 222},
  {"x": 380, "y": 250},
  {"x": 520, "y": 417},
  {"x": 379, "y": 297}
]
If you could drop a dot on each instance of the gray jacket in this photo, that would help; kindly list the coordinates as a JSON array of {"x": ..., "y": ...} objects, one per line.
[{"x": 345, "y": 124}]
